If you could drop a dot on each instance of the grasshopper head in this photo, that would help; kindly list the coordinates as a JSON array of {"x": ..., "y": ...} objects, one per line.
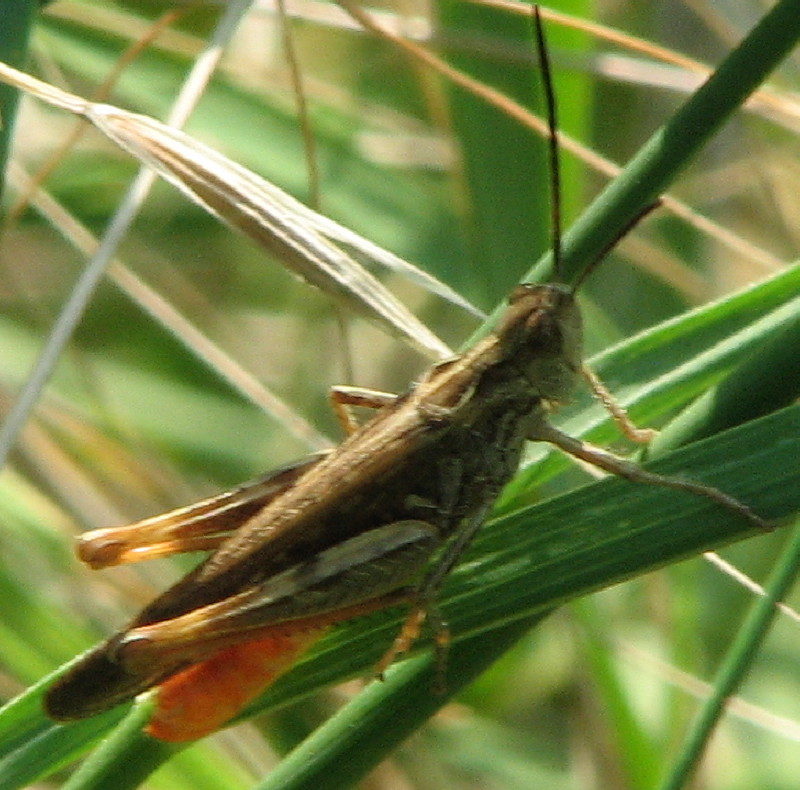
[{"x": 542, "y": 333}]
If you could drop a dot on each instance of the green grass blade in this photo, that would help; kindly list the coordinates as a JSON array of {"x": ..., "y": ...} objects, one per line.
[
  {"x": 672, "y": 147},
  {"x": 604, "y": 533},
  {"x": 737, "y": 662},
  {"x": 522, "y": 565},
  {"x": 356, "y": 651},
  {"x": 520, "y": 568},
  {"x": 383, "y": 715},
  {"x": 767, "y": 380},
  {"x": 31, "y": 748},
  {"x": 638, "y": 750},
  {"x": 17, "y": 20}
]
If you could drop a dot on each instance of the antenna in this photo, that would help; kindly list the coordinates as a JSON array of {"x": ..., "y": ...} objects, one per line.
[
  {"x": 555, "y": 169},
  {"x": 552, "y": 142}
]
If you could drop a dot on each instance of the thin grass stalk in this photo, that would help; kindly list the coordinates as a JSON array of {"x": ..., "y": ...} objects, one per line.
[{"x": 737, "y": 662}]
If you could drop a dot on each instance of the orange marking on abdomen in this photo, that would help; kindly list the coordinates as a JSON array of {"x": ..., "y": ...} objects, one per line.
[{"x": 204, "y": 697}]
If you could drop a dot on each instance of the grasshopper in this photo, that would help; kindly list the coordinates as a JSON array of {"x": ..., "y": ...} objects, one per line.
[{"x": 350, "y": 531}]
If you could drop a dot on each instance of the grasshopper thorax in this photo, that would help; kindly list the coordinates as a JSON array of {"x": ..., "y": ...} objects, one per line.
[{"x": 542, "y": 333}]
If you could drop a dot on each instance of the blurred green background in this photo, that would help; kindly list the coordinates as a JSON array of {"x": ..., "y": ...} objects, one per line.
[{"x": 134, "y": 424}]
